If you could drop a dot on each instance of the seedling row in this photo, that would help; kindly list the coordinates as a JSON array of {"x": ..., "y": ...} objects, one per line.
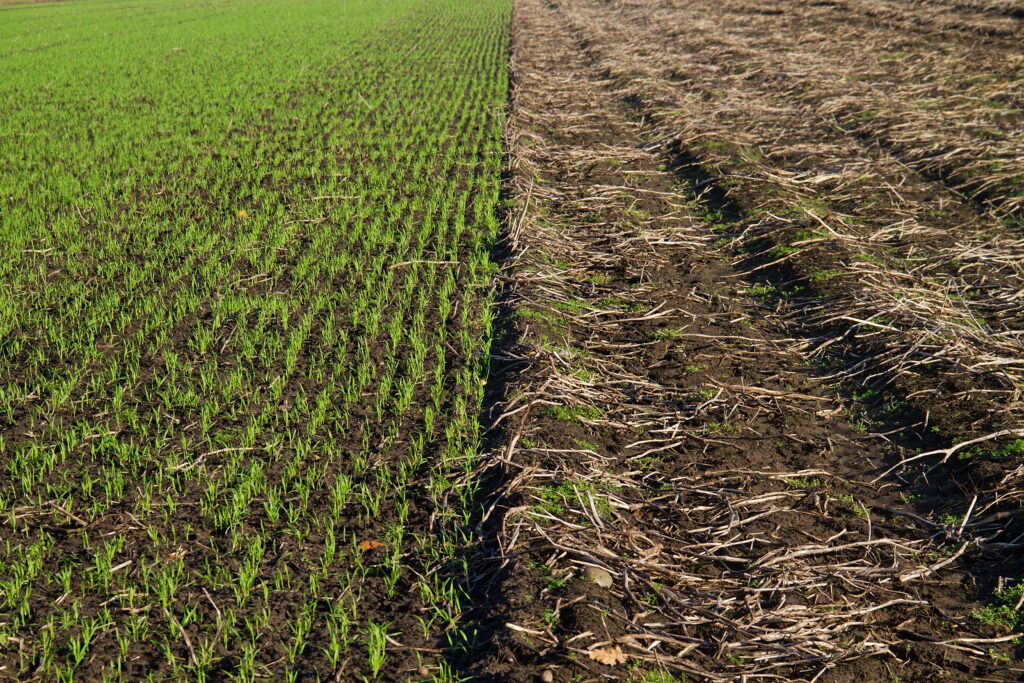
[{"x": 243, "y": 334}]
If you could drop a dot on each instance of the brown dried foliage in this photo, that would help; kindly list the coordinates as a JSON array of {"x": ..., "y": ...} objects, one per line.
[{"x": 802, "y": 560}]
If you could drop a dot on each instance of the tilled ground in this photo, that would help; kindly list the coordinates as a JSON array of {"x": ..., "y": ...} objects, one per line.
[{"x": 745, "y": 315}]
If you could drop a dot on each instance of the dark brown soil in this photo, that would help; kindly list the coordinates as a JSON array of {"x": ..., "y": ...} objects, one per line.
[
  {"x": 667, "y": 420},
  {"x": 176, "y": 536},
  {"x": 683, "y": 395}
]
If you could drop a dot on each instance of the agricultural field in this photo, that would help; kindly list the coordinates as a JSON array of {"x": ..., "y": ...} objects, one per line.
[
  {"x": 243, "y": 334},
  {"x": 512, "y": 340},
  {"x": 769, "y": 341}
]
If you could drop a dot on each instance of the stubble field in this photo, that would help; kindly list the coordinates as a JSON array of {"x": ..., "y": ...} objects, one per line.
[{"x": 767, "y": 295}]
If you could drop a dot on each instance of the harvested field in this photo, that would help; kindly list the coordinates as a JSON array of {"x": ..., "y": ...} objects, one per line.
[
  {"x": 532, "y": 340},
  {"x": 765, "y": 273}
]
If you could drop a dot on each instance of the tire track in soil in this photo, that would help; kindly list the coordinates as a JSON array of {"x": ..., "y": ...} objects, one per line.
[{"x": 684, "y": 494}]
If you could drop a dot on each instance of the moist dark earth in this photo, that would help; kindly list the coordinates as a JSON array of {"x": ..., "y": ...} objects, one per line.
[{"x": 713, "y": 382}]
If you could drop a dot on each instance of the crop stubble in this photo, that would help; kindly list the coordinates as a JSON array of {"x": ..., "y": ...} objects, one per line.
[{"x": 766, "y": 267}]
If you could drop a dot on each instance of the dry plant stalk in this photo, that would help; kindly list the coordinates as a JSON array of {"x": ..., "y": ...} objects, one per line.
[{"x": 716, "y": 569}]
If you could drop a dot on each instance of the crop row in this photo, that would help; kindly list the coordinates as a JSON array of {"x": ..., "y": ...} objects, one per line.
[{"x": 244, "y": 336}]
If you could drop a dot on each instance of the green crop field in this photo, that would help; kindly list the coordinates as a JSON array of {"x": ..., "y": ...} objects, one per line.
[{"x": 243, "y": 329}]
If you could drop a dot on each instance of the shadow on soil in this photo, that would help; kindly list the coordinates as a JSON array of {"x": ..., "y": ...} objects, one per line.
[
  {"x": 880, "y": 405},
  {"x": 489, "y": 583}
]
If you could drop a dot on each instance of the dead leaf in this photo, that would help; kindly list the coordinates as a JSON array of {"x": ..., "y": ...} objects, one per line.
[
  {"x": 653, "y": 552},
  {"x": 370, "y": 545},
  {"x": 609, "y": 656}
]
